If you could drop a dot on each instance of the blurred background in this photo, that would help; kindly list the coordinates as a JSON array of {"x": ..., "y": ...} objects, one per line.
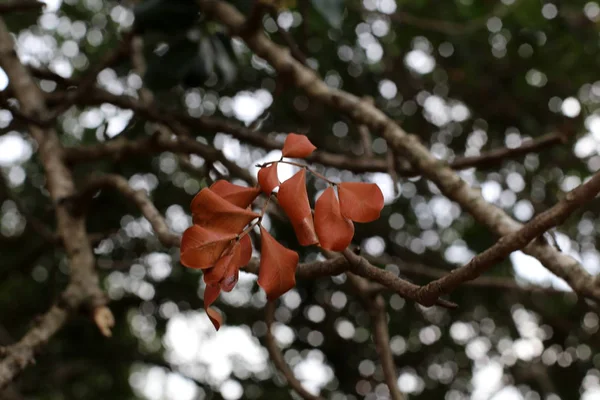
[{"x": 466, "y": 76}]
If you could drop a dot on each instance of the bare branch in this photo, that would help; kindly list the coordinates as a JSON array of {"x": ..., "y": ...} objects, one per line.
[
  {"x": 139, "y": 197},
  {"x": 262, "y": 139},
  {"x": 15, "y": 358},
  {"x": 494, "y": 157},
  {"x": 447, "y": 27},
  {"x": 83, "y": 288},
  {"x": 376, "y": 308},
  {"x": 365, "y": 135},
  {"x": 404, "y": 144},
  {"x": 360, "y": 266},
  {"x": 492, "y": 282},
  {"x": 89, "y": 79},
  {"x": 514, "y": 241},
  {"x": 277, "y": 357}
]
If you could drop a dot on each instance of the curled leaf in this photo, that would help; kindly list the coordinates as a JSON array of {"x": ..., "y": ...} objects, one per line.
[
  {"x": 210, "y": 211},
  {"x": 334, "y": 230},
  {"x": 268, "y": 179},
  {"x": 297, "y": 146},
  {"x": 210, "y": 295},
  {"x": 201, "y": 247},
  {"x": 226, "y": 271},
  {"x": 360, "y": 202},
  {"x": 293, "y": 198},
  {"x": 237, "y": 195},
  {"x": 277, "y": 273},
  {"x": 215, "y": 317}
]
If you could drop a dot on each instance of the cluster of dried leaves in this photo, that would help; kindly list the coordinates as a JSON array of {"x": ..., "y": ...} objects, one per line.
[{"x": 218, "y": 241}]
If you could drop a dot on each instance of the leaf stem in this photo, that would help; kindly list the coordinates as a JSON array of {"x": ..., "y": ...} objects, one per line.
[
  {"x": 306, "y": 167},
  {"x": 255, "y": 222}
]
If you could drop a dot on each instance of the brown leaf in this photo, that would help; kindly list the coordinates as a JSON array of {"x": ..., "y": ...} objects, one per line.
[
  {"x": 297, "y": 146},
  {"x": 293, "y": 198},
  {"x": 360, "y": 202},
  {"x": 210, "y": 295},
  {"x": 215, "y": 317},
  {"x": 226, "y": 271},
  {"x": 268, "y": 179},
  {"x": 210, "y": 211},
  {"x": 277, "y": 273},
  {"x": 334, "y": 230},
  {"x": 237, "y": 195},
  {"x": 201, "y": 247}
]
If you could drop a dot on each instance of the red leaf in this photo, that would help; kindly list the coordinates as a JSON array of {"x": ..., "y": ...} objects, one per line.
[
  {"x": 268, "y": 179},
  {"x": 226, "y": 271},
  {"x": 215, "y": 317},
  {"x": 201, "y": 248},
  {"x": 334, "y": 230},
  {"x": 211, "y": 212},
  {"x": 242, "y": 253},
  {"x": 214, "y": 275},
  {"x": 293, "y": 198},
  {"x": 360, "y": 202},
  {"x": 277, "y": 273},
  {"x": 210, "y": 295},
  {"x": 297, "y": 146},
  {"x": 237, "y": 195}
]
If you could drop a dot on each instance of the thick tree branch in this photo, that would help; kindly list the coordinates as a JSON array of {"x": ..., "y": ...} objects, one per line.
[
  {"x": 83, "y": 288},
  {"x": 514, "y": 241},
  {"x": 404, "y": 144}
]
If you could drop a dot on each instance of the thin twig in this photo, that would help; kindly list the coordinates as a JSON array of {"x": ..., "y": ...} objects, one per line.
[
  {"x": 89, "y": 79},
  {"x": 364, "y": 164},
  {"x": 375, "y": 306},
  {"x": 288, "y": 39},
  {"x": 139, "y": 197},
  {"x": 277, "y": 357}
]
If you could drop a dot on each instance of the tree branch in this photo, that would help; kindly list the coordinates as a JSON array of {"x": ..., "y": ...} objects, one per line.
[
  {"x": 404, "y": 144},
  {"x": 277, "y": 357},
  {"x": 492, "y": 282},
  {"x": 375, "y": 306},
  {"x": 261, "y": 139},
  {"x": 83, "y": 288},
  {"x": 512, "y": 242},
  {"x": 139, "y": 197},
  {"x": 360, "y": 266}
]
